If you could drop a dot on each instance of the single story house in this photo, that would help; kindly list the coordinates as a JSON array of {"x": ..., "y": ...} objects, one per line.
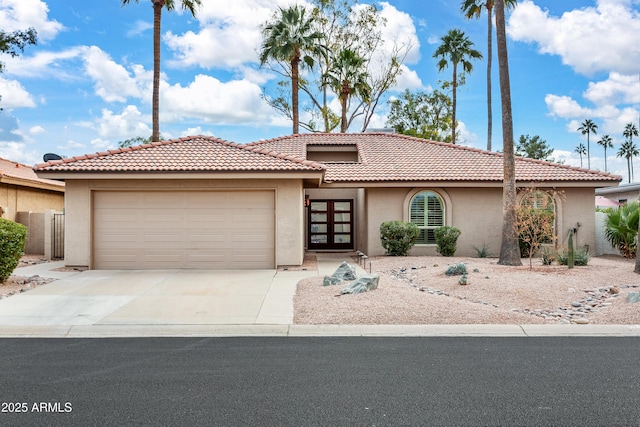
[
  {"x": 21, "y": 190},
  {"x": 620, "y": 194},
  {"x": 202, "y": 202}
]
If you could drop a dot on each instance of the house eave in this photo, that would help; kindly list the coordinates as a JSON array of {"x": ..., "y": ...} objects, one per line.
[
  {"x": 467, "y": 184},
  {"x": 4, "y": 179},
  {"x": 313, "y": 176}
]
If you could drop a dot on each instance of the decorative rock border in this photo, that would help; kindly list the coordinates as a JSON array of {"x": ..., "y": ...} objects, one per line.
[{"x": 595, "y": 300}]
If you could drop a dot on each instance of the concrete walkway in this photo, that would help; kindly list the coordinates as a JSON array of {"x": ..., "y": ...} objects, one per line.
[{"x": 136, "y": 303}]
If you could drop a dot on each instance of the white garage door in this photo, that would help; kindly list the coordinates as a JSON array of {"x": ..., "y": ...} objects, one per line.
[{"x": 157, "y": 229}]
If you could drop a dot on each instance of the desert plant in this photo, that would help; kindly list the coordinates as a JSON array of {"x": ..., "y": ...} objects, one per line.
[
  {"x": 621, "y": 229},
  {"x": 535, "y": 226},
  {"x": 548, "y": 255},
  {"x": 446, "y": 239},
  {"x": 12, "y": 242},
  {"x": 457, "y": 270},
  {"x": 581, "y": 256},
  {"x": 398, "y": 237},
  {"x": 483, "y": 251}
]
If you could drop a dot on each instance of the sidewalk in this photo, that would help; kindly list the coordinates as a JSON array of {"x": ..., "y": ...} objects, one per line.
[{"x": 261, "y": 305}]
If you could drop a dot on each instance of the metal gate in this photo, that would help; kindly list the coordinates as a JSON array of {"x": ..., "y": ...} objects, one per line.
[{"x": 57, "y": 241}]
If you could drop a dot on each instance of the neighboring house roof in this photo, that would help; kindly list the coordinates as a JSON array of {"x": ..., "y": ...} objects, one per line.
[
  {"x": 386, "y": 157},
  {"x": 18, "y": 174},
  {"x": 189, "y": 154}
]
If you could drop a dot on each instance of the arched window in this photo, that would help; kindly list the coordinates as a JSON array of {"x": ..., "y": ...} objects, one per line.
[
  {"x": 426, "y": 210},
  {"x": 541, "y": 201}
]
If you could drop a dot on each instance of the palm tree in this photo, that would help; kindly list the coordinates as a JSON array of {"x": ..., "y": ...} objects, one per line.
[
  {"x": 473, "y": 9},
  {"x": 588, "y": 127},
  {"x": 606, "y": 142},
  {"x": 189, "y": 5},
  {"x": 456, "y": 48},
  {"x": 346, "y": 77},
  {"x": 509, "y": 249},
  {"x": 287, "y": 39},
  {"x": 628, "y": 150},
  {"x": 582, "y": 150},
  {"x": 629, "y": 132}
]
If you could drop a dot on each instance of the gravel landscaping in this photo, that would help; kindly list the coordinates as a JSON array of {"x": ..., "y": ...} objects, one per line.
[{"x": 415, "y": 290}]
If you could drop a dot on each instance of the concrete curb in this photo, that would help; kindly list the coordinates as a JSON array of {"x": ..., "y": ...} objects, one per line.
[{"x": 130, "y": 331}]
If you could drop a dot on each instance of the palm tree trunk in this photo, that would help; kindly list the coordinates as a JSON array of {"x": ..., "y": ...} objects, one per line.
[
  {"x": 453, "y": 115},
  {"x": 344, "y": 94},
  {"x": 294, "y": 92},
  {"x": 605, "y": 158},
  {"x": 628, "y": 170},
  {"x": 155, "y": 100},
  {"x": 588, "y": 153},
  {"x": 489, "y": 61},
  {"x": 509, "y": 250}
]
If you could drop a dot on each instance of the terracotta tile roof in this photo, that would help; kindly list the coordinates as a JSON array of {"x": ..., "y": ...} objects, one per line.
[
  {"x": 17, "y": 172},
  {"x": 189, "y": 154},
  {"x": 386, "y": 157}
]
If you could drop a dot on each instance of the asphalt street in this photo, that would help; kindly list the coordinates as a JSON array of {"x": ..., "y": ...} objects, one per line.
[{"x": 323, "y": 381}]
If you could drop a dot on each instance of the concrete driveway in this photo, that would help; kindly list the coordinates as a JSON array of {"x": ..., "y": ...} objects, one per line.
[{"x": 154, "y": 297}]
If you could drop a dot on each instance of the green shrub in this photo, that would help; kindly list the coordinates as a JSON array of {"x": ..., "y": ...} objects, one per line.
[
  {"x": 398, "y": 237},
  {"x": 621, "y": 228},
  {"x": 456, "y": 270},
  {"x": 581, "y": 256},
  {"x": 446, "y": 239},
  {"x": 13, "y": 238}
]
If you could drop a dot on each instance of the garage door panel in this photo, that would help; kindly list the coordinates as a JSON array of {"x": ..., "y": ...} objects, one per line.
[{"x": 138, "y": 230}]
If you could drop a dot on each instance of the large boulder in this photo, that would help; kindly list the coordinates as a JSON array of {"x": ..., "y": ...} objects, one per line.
[
  {"x": 343, "y": 273},
  {"x": 364, "y": 283}
]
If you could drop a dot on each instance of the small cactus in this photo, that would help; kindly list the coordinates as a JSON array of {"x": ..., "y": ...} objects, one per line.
[{"x": 463, "y": 280}]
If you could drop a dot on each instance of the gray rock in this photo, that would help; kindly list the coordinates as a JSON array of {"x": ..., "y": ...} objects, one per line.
[
  {"x": 344, "y": 272},
  {"x": 364, "y": 283},
  {"x": 581, "y": 321},
  {"x": 576, "y": 304},
  {"x": 633, "y": 297}
]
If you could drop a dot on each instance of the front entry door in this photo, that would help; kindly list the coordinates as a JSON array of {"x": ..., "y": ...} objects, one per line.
[{"x": 331, "y": 224}]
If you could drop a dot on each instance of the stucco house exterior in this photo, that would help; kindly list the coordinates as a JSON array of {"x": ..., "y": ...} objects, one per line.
[
  {"x": 21, "y": 190},
  {"x": 202, "y": 202}
]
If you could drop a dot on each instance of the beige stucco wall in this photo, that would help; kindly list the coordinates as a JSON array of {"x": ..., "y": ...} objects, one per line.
[
  {"x": 289, "y": 211},
  {"x": 477, "y": 212},
  {"x": 16, "y": 199}
]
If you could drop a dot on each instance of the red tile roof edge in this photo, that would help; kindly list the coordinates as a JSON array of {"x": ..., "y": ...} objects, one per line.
[
  {"x": 447, "y": 144},
  {"x": 314, "y": 165},
  {"x": 35, "y": 179}
]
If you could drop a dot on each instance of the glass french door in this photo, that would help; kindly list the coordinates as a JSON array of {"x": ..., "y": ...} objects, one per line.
[{"x": 331, "y": 224}]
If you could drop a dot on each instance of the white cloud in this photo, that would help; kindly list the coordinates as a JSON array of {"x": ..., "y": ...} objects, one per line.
[
  {"x": 21, "y": 14},
  {"x": 36, "y": 130},
  {"x": 617, "y": 89},
  {"x": 196, "y": 131},
  {"x": 139, "y": 27},
  {"x": 237, "y": 24},
  {"x": 565, "y": 107},
  {"x": 46, "y": 64},
  {"x": 213, "y": 101},
  {"x": 71, "y": 145},
  {"x": 113, "y": 82},
  {"x": 590, "y": 39},
  {"x": 129, "y": 123},
  {"x": 14, "y": 95}
]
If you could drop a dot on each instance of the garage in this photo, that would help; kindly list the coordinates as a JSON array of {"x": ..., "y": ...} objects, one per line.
[{"x": 183, "y": 229}]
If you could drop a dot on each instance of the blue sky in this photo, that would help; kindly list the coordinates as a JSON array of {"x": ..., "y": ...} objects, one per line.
[{"x": 87, "y": 84}]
